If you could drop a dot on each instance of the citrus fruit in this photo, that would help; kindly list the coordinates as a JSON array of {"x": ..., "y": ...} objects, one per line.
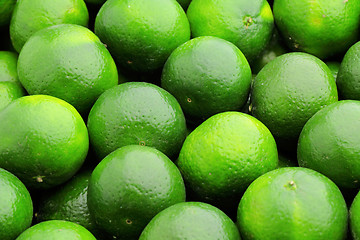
[
  {"x": 348, "y": 79},
  {"x": 247, "y": 24},
  {"x": 292, "y": 203},
  {"x": 141, "y": 34},
  {"x": 56, "y": 229},
  {"x": 329, "y": 143},
  {"x": 6, "y": 9},
  {"x": 334, "y": 68},
  {"x": 16, "y": 207},
  {"x": 69, "y": 62},
  {"x": 130, "y": 186},
  {"x": 43, "y": 140},
  {"x": 10, "y": 87},
  {"x": 354, "y": 217},
  {"x": 136, "y": 113},
  {"x": 191, "y": 220},
  {"x": 207, "y": 75},
  {"x": 274, "y": 49},
  {"x": 320, "y": 27},
  {"x": 30, "y": 16},
  {"x": 68, "y": 202},
  {"x": 222, "y": 156},
  {"x": 289, "y": 90}
]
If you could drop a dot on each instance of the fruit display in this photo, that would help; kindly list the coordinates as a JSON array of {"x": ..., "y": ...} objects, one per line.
[{"x": 180, "y": 120}]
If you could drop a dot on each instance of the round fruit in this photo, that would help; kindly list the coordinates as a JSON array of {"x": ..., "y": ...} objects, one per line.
[
  {"x": 292, "y": 203},
  {"x": 43, "y": 140},
  {"x": 68, "y": 202},
  {"x": 334, "y": 68},
  {"x": 320, "y": 27},
  {"x": 247, "y": 24},
  {"x": 130, "y": 186},
  {"x": 136, "y": 113},
  {"x": 207, "y": 75},
  {"x": 141, "y": 34},
  {"x": 56, "y": 229},
  {"x": 191, "y": 220},
  {"x": 222, "y": 156},
  {"x": 289, "y": 90},
  {"x": 16, "y": 208},
  {"x": 69, "y": 62},
  {"x": 31, "y": 16},
  {"x": 348, "y": 79},
  {"x": 6, "y": 9},
  {"x": 355, "y": 218},
  {"x": 9, "y": 91},
  {"x": 329, "y": 143}
]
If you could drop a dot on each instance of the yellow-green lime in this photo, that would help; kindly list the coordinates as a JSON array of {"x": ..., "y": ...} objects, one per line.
[
  {"x": 69, "y": 62},
  {"x": 31, "y": 16},
  {"x": 141, "y": 34},
  {"x": 207, "y": 75},
  {"x": 43, "y": 140},
  {"x": 16, "y": 207},
  {"x": 292, "y": 203},
  {"x": 191, "y": 220},
  {"x": 319, "y": 27},
  {"x": 247, "y": 24},
  {"x": 130, "y": 186}
]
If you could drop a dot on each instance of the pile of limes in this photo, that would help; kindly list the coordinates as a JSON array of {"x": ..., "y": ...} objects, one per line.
[{"x": 179, "y": 119}]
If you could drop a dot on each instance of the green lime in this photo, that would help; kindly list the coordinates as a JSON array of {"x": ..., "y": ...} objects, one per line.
[
  {"x": 69, "y": 62},
  {"x": 354, "y": 217},
  {"x": 320, "y": 27},
  {"x": 10, "y": 87},
  {"x": 16, "y": 207},
  {"x": 6, "y": 9},
  {"x": 348, "y": 79},
  {"x": 292, "y": 203},
  {"x": 56, "y": 230},
  {"x": 247, "y": 24},
  {"x": 334, "y": 68},
  {"x": 207, "y": 75},
  {"x": 289, "y": 90},
  {"x": 221, "y": 157},
  {"x": 136, "y": 113},
  {"x": 130, "y": 186},
  {"x": 68, "y": 202},
  {"x": 31, "y": 16},
  {"x": 141, "y": 34},
  {"x": 43, "y": 140},
  {"x": 191, "y": 220},
  {"x": 329, "y": 143},
  {"x": 274, "y": 49}
]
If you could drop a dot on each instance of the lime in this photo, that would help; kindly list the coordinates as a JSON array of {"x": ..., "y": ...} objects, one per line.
[
  {"x": 136, "y": 113},
  {"x": 6, "y": 9},
  {"x": 348, "y": 79},
  {"x": 289, "y": 90},
  {"x": 355, "y": 218},
  {"x": 141, "y": 34},
  {"x": 247, "y": 24},
  {"x": 221, "y": 157},
  {"x": 292, "y": 203},
  {"x": 43, "y": 140},
  {"x": 207, "y": 75},
  {"x": 31, "y": 16},
  {"x": 334, "y": 68},
  {"x": 320, "y": 27},
  {"x": 56, "y": 229},
  {"x": 69, "y": 62},
  {"x": 130, "y": 186},
  {"x": 68, "y": 202},
  {"x": 329, "y": 143},
  {"x": 16, "y": 207},
  {"x": 191, "y": 220}
]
